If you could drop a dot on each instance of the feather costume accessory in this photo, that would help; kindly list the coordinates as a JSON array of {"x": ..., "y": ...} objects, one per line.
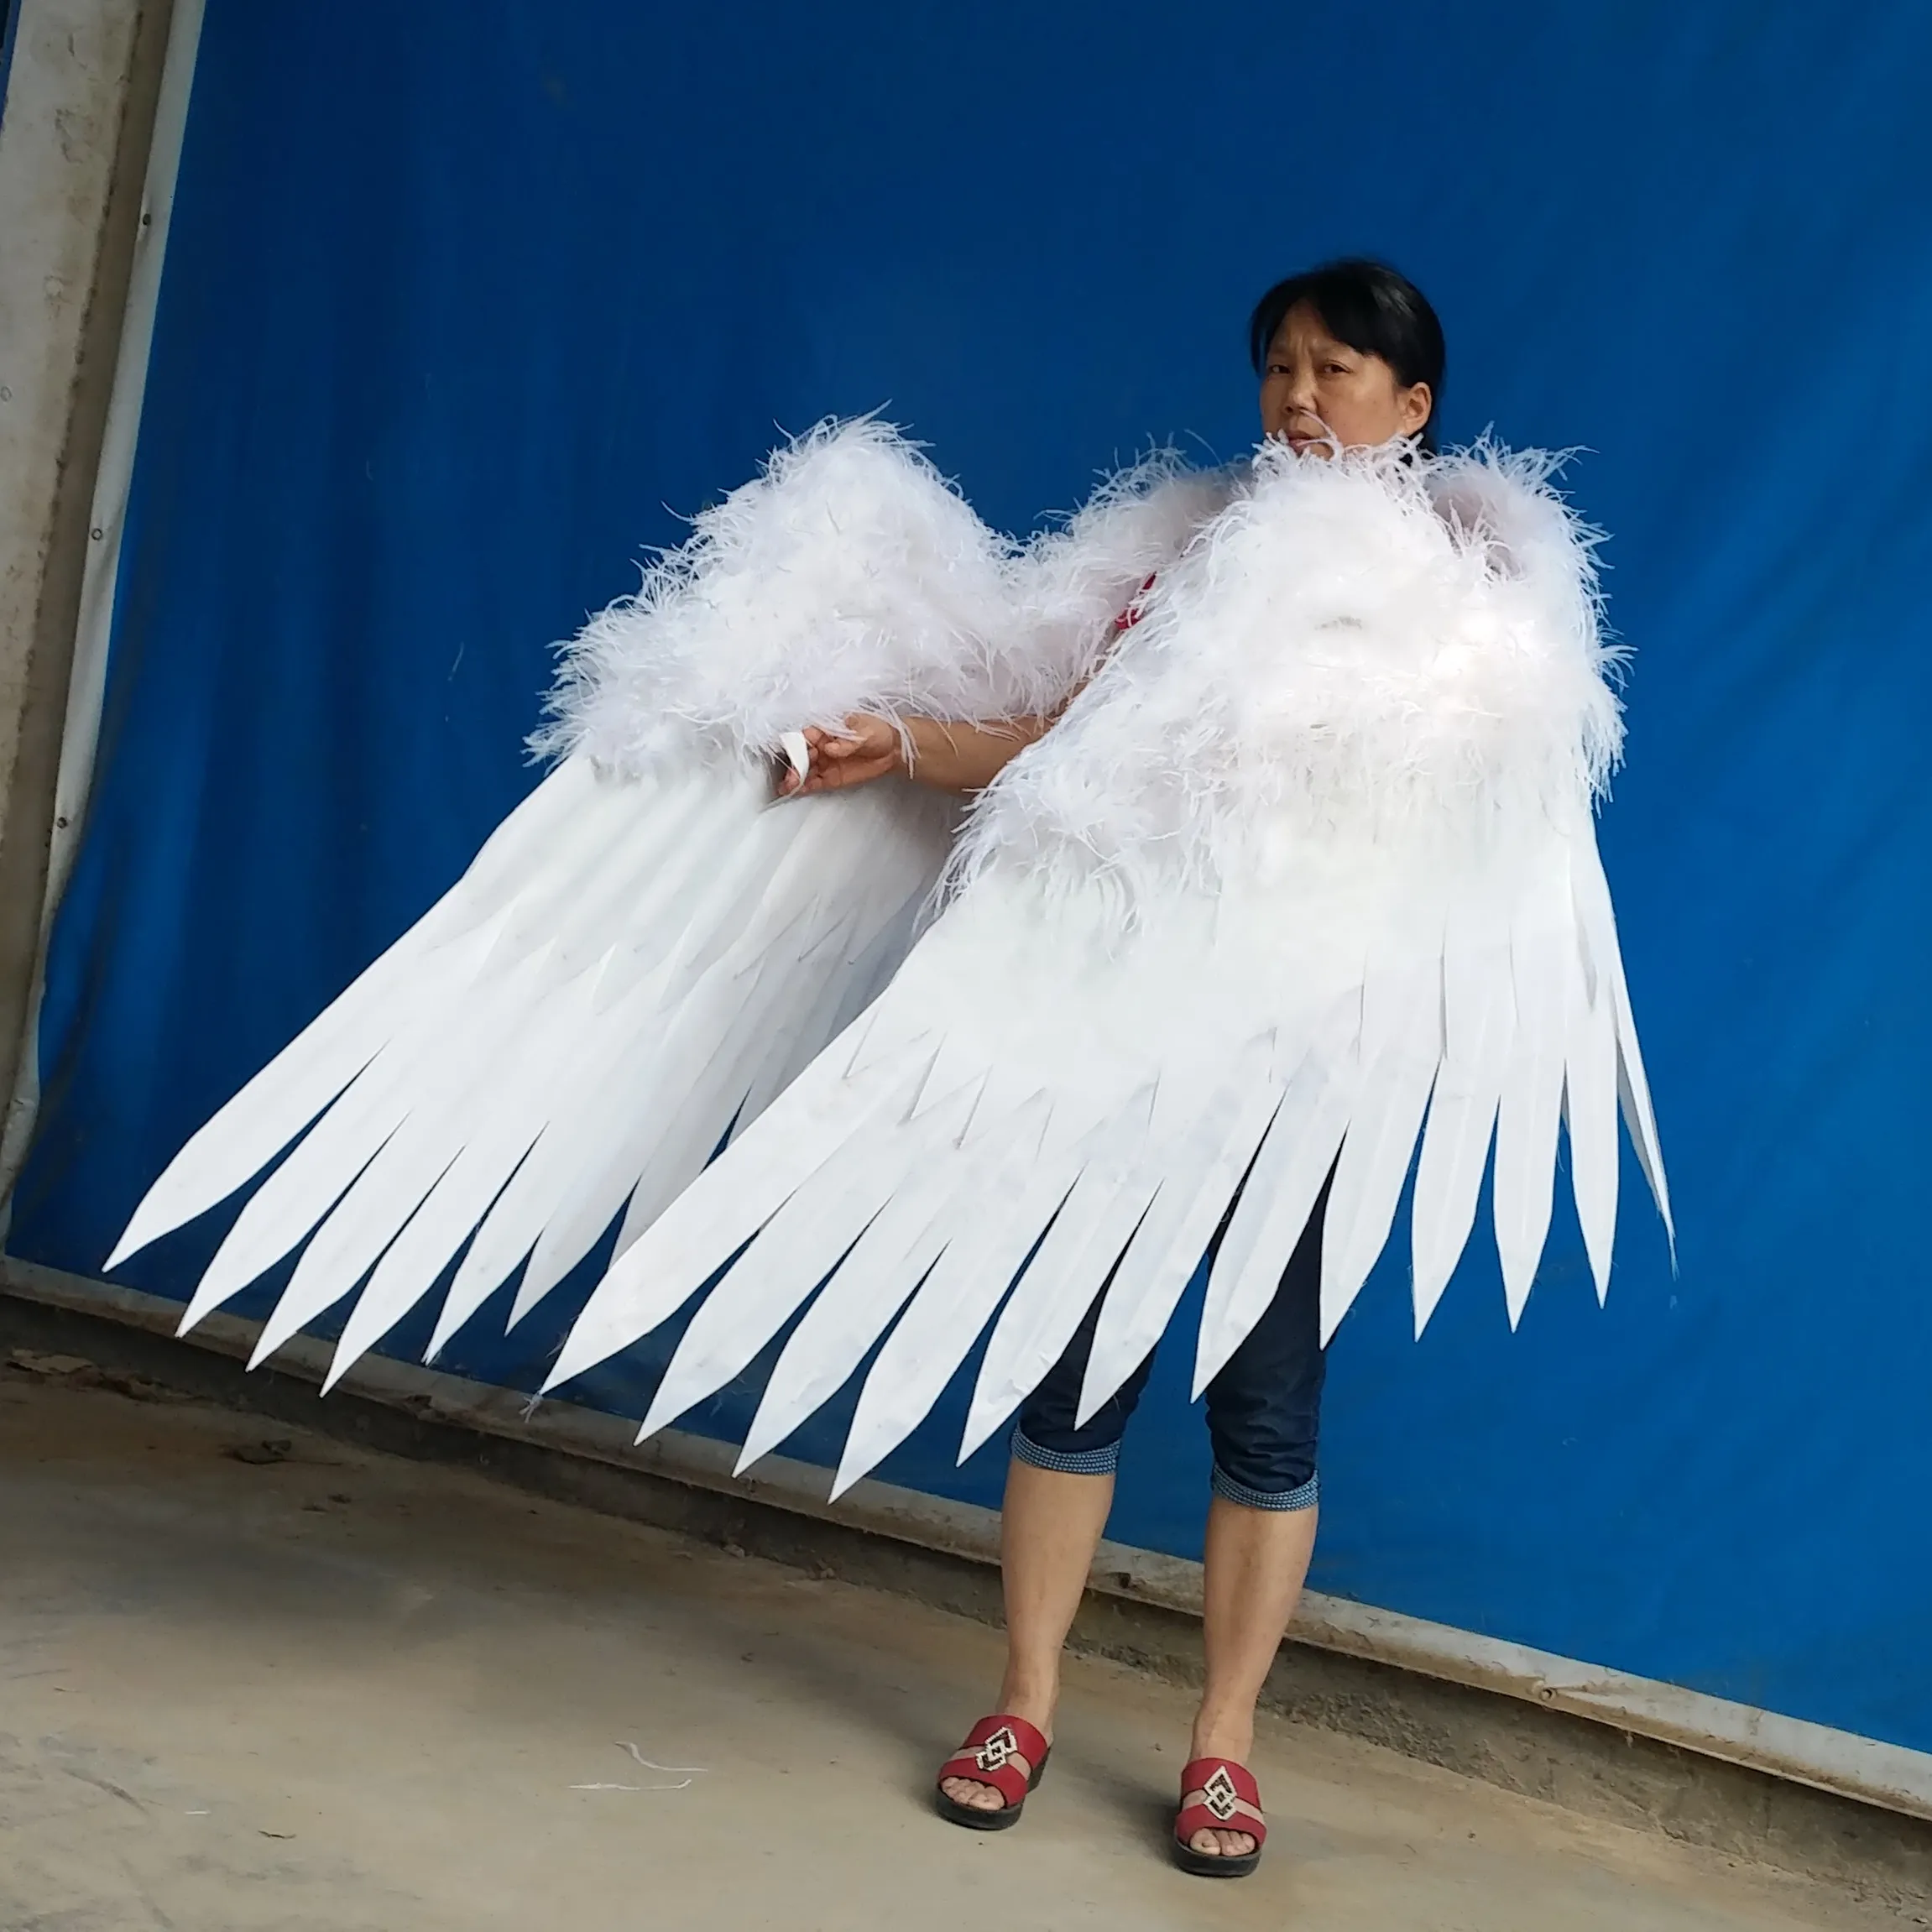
[
  {"x": 1306, "y": 879},
  {"x": 648, "y": 949}
]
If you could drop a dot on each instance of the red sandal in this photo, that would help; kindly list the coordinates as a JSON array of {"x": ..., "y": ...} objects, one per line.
[
  {"x": 995, "y": 1750},
  {"x": 1218, "y": 1794}
]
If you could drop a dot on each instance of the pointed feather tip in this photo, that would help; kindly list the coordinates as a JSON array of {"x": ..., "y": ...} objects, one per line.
[
  {"x": 1089, "y": 1405},
  {"x": 1517, "y": 1282},
  {"x": 1102, "y": 1383},
  {"x": 450, "y": 1323},
  {"x": 1425, "y": 1300},
  {"x": 579, "y": 1355},
  {"x": 1207, "y": 1366},
  {"x": 1599, "y": 1265},
  {"x": 132, "y": 1242},
  {"x": 666, "y": 1407},
  {"x": 528, "y": 1295},
  {"x": 980, "y": 1424},
  {"x": 760, "y": 1440},
  {"x": 845, "y": 1477},
  {"x": 650, "y": 1426},
  {"x": 1335, "y": 1304},
  {"x": 150, "y": 1220}
]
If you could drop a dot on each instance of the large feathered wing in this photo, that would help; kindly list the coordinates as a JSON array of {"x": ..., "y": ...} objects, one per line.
[
  {"x": 650, "y": 948},
  {"x": 1306, "y": 879},
  {"x": 630, "y": 967}
]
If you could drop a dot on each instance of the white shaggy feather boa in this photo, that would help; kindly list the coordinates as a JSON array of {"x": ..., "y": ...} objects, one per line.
[
  {"x": 1361, "y": 654},
  {"x": 850, "y": 576}
]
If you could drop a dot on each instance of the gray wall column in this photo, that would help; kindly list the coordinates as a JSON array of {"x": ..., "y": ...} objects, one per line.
[{"x": 75, "y": 131}]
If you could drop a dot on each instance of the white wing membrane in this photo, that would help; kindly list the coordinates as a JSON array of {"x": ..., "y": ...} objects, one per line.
[
  {"x": 1038, "y": 1142},
  {"x": 579, "y": 1023}
]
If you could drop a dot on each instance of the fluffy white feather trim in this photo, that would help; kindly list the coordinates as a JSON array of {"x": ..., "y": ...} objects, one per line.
[
  {"x": 1070, "y": 583},
  {"x": 851, "y": 576},
  {"x": 1352, "y": 650}
]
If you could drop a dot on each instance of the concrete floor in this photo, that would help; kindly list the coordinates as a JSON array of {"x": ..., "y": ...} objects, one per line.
[{"x": 338, "y": 1691}]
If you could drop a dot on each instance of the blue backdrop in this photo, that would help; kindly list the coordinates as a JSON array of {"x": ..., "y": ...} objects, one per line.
[{"x": 460, "y": 295}]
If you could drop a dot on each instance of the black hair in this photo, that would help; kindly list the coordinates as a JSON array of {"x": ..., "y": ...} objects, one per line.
[{"x": 1374, "y": 311}]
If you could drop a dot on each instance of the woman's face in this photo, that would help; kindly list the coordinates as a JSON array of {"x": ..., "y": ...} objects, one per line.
[{"x": 1316, "y": 390}]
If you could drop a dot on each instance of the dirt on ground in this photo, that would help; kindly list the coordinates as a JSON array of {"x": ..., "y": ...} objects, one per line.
[{"x": 251, "y": 1679}]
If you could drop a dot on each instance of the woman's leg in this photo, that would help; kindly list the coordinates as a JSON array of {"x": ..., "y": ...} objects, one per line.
[
  {"x": 1264, "y": 1412},
  {"x": 1059, "y": 1488},
  {"x": 1049, "y": 1527},
  {"x": 1256, "y": 1561}
]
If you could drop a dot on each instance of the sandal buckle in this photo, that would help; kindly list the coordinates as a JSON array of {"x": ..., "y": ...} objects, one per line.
[
  {"x": 1219, "y": 1795},
  {"x": 993, "y": 1754}
]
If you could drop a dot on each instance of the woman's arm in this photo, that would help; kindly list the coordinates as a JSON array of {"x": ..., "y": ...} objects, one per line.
[
  {"x": 948, "y": 757},
  {"x": 960, "y": 758}
]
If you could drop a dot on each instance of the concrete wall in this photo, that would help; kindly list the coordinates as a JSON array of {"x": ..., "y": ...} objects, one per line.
[{"x": 74, "y": 135}]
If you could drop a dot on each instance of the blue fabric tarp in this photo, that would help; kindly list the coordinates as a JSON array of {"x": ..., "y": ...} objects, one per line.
[{"x": 460, "y": 296}]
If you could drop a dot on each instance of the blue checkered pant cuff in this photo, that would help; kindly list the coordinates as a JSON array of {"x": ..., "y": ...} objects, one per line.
[
  {"x": 1305, "y": 1498},
  {"x": 1102, "y": 1461}
]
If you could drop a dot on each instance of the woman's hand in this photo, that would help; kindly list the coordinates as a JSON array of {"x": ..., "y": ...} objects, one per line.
[
  {"x": 867, "y": 748},
  {"x": 962, "y": 758}
]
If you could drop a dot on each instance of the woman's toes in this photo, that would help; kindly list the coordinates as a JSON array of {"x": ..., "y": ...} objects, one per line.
[
  {"x": 967, "y": 1791},
  {"x": 1222, "y": 1844}
]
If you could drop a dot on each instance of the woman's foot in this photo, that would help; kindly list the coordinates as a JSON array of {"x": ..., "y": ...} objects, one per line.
[
  {"x": 1002, "y": 1753},
  {"x": 1220, "y": 1738},
  {"x": 1014, "y": 1702}
]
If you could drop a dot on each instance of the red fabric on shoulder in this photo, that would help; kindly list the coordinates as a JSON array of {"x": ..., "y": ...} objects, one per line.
[{"x": 1131, "y": 615}]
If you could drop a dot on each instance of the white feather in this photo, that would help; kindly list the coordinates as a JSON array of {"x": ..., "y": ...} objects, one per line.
[
  {"x": 1280, "y": 1190},
  {"x": 1202, "y": 1166},
  {"x": 953, "y": 1304},
  {"x": 802, "y": 1243},
  {"x": 1590, "y": 1111},
  {"x": 734, "y": 1197},
  {"x": 1088, "y": 1235},
  {"x": 1399, "y": 1062},
  {"x": 315, "y": 1067},
  {"x": 1479, "y": 1014},
  {"x": 1544, "y": 957}
]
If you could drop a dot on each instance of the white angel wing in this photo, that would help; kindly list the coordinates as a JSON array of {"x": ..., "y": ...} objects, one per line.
[
  {"x": 1306, "y": 878},
  {"x": 629, "y": 968},
  {"x": 649, "y": 949},
  {"x": 1031, "y": 1099}
]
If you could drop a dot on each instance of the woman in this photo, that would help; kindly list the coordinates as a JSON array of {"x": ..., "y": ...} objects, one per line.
[
  {"x": 1350, "y": 356},
  {"x": 1298, "y": 891}
]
